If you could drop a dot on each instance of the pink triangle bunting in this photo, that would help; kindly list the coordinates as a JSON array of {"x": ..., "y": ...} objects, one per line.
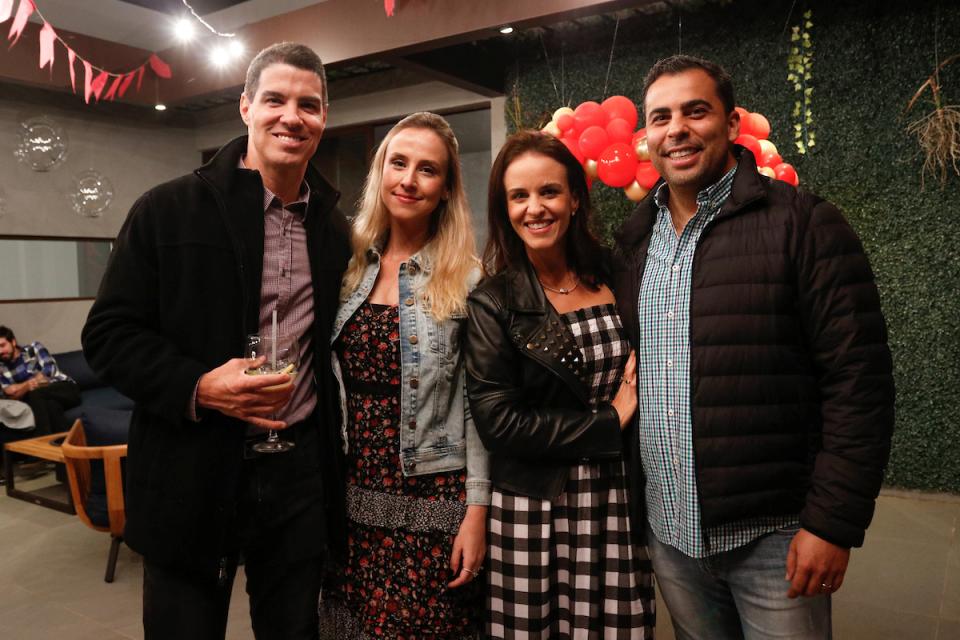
[
  {"x": 112, "y": 92},
  {"x": 71, "y": 58},
  {"x": 6, "y": 10},
  {"x": 140, "y": 76},
  {"x": 159, "y": 67},
  {"x": 87, "y": 81},
  {"x": 98, "y": 84},
  {"x": 24, "y": 11},
  {"x": 127, "y": 79},
  {"x": 388, "y": 6},
  {"x": 47, "y": 39}
]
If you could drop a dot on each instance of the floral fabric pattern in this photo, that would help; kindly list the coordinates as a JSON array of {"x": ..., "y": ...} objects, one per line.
[{"x": 394, "y": 582}]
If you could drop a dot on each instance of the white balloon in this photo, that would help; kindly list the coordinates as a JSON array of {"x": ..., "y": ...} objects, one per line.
[
  {"x": 766, "y": 147},
  {"x": 552, "y": 129}
]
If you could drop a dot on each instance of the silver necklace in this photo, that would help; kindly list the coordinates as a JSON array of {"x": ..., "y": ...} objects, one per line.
[{"x": 562, "y": 290}]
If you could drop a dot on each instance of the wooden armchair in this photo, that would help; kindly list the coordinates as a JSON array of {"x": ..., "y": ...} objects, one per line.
[{"x": 96, "y": 483}]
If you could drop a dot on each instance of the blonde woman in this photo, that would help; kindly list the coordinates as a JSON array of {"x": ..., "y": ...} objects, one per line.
[{"x": 417, "y": 474}]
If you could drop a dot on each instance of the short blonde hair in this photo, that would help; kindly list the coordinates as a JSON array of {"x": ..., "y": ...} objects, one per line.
[{"x": 450, "y": 247}]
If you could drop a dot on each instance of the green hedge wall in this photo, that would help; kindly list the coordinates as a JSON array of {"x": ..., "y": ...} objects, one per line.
[{"x": 869, "y": 57}]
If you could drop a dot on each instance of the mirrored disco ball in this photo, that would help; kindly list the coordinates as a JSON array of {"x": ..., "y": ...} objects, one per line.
[
  {"x": 43, "y": 144},
  {"x": 92, "y": 193}
]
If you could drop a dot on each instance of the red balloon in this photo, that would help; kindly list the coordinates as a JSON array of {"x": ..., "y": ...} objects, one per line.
[
  {"x": 787, "y": 173},
  {"x": 647, "y": 175},
  {"x": 565, "y": 122},
  {"x": 746, "y": 124},
  {"x": 750, "y": 143},
  {"x": 588, "y": 114},
  {"x": 619, "y": 130},
  {"x": 621, "y": 107},
  {"x": 760, "y": 126},
  {"x": 617, "y": 165},
  {"x": 639, "y": 134},
  {"x": 593, "y": 141},
  {"x": 571, "y": 143},
  {"x": 770, "y": 159}
]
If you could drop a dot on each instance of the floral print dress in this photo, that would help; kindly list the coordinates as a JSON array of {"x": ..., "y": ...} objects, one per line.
[{"x": 401, "y": 529}]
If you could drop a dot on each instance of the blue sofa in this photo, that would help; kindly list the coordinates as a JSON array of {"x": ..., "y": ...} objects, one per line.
[{"x": 99, "y": 403}]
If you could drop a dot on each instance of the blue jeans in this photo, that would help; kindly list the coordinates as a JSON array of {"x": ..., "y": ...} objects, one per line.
[{"x": 737, "y": 594}]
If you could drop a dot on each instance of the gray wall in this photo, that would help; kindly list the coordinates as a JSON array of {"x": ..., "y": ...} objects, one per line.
[
  {"x": 133, "y": 153},
  {"x": 136, "y": 153}
]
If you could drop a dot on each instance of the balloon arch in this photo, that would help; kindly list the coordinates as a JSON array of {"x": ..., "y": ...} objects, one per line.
[{"x": 603, "y": 138}]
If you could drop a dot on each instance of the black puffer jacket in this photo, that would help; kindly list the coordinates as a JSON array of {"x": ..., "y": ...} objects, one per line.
[
  {"x": 531, "y": 409},
  {"x": 791, "y": 386}
]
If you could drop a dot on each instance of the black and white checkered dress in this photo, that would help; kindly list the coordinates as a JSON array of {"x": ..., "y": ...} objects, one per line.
[{"x": 566, "y": 568}]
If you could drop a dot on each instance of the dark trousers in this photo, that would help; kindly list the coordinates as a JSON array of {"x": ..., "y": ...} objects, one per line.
[
  {"x": 279, "y": 533},
  {"x": 48, "y": 403}
]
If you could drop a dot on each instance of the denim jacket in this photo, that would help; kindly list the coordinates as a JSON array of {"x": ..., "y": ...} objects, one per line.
[{"x": 437, "y": 433}]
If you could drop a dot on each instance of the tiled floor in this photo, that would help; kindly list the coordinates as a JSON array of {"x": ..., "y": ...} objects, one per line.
[{"x": 904, "y": 583}]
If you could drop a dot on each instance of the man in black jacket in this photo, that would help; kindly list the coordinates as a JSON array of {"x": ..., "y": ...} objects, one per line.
[
  {"x": 200, "y": 263},
  {"x": 764, "y": 377}
]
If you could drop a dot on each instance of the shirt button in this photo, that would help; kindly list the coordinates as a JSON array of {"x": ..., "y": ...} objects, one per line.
[
  {"x": 669, "y": 363},
  {"x": 670, "y": 314},
  {"x": 414, "y": 383},
  {"x": 676, "y": 461},
  {"x": 412, "y": 424},
  {"x": 414, "y": 340},
  {"x": 676, "y": 267},
  {"x": 412, "y": 466},
  {"x": 670, "y": 412},
  {"x": 408, "y": 302}
]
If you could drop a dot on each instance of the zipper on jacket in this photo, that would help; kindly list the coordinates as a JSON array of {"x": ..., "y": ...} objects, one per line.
[{"x": 222, "y": 573}]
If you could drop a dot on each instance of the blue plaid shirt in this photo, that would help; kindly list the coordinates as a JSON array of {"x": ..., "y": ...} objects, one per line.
[
  {"x": 666, "y": 426},
  {"x": 33, "y": 359}
]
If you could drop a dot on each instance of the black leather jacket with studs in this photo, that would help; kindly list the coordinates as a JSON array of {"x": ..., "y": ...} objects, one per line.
[{"x": 531, "y": 408}]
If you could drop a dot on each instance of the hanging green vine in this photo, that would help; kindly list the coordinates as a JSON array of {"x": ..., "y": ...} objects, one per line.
[{"x": 800, "y": 67}]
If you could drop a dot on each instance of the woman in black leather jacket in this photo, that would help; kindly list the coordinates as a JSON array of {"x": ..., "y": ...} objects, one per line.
[{"x": 546, "y": 361}]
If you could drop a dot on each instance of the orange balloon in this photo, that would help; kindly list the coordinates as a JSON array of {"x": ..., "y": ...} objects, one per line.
[
  {"x": 751, "y": 143},
  {"x": 621, "y": 107},
  {"x": 646, "y": 175},
  {"x": 745, "y": 124},
  {"x": 787, "y": 173},
  {"x": 770, "y": 159},
  {"x": 760, "y": 126}
]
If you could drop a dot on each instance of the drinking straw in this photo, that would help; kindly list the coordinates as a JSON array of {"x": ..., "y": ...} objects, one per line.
[{"x": 273, "y": 341}]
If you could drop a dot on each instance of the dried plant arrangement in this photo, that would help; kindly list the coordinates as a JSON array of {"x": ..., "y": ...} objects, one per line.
[{"x": 938, "y": 132}]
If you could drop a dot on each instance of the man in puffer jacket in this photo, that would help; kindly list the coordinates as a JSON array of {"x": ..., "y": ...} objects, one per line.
[{"x": 764, "y": 377}]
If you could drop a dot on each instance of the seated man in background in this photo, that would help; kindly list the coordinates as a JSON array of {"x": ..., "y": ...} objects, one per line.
[{"x": 30, "y": 374}]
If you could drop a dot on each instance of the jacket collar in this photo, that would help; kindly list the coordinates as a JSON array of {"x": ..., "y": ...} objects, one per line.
[
  {"x": 422, "y": 259},
  {"x": 748, "y": 187},
  {"x": 523, "y": 290},
  {"x": 221, "y": 172}
]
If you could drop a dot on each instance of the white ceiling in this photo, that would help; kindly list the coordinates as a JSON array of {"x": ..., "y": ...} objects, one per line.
[{"x": 147, "y": 29}]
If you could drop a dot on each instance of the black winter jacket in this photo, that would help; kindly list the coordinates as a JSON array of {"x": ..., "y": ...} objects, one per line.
[
  {"x": 791, "y": 386},
  {"x": 530, "y": 406},
  {"x": 181, "y": 292}
]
